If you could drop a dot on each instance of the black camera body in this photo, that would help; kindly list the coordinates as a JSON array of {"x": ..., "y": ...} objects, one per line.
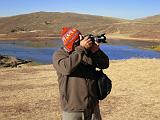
[{"x": 99, "y": 38}]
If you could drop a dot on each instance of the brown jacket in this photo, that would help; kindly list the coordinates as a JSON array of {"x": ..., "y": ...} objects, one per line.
[{"x": 76, "y": 78}]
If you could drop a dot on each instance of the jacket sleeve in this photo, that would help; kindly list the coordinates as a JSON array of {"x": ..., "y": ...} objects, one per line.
[
  {"x": 66, "y": 64},
  {"x": 100, "y": 59}
]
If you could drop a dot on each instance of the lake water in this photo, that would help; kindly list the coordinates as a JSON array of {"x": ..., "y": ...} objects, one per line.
[{"x": 41, "y": 51}]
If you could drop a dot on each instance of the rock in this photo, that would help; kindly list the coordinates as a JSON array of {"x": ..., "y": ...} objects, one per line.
[{"x": 9, "y": 61}]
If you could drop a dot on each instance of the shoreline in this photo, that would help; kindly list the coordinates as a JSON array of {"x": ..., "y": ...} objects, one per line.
[
  {"x": 113, "y": 39},
  {"x": 29, "y": 38},
  {"x": 56, "y": 36},
  {"x": 135, "y": 39}
]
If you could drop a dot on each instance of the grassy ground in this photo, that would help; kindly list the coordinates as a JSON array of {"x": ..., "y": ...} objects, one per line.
[
  {"x": 31, "y": 93},
  {"x": 128, "y": 37}
]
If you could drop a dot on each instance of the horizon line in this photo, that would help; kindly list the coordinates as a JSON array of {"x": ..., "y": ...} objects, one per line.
[{"x": 78, "y": 13}]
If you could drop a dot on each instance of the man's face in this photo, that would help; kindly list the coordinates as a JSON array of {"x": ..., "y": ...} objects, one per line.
[{"x": 71, "y": 39}]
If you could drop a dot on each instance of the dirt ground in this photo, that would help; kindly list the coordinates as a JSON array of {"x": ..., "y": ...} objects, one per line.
[{"x": 31, "y": 93}]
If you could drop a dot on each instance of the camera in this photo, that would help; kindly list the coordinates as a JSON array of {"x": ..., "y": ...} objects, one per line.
[{"x": 99, "y": 38}]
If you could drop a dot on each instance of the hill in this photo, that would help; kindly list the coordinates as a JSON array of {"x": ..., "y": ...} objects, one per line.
[
  {"x": 52, "y": 21},
  {"x": 48, "y": 24},
  {"x": 151, "y": 19},
  {"x": 147, "y": 28},
  {"x": 150, "y": 27}
]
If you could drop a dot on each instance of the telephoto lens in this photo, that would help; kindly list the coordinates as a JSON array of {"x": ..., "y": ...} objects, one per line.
[{"x": 99, "y": 38}]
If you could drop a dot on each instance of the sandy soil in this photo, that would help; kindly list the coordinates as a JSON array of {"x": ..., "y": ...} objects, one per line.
[
  {"x": 31, "y": 93},
  {"x": 109, "y": 36},
  {"x": 128, "y": 37}
]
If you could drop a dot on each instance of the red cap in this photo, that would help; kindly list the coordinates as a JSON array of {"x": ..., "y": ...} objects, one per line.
[{"x": 69, "y": 37}]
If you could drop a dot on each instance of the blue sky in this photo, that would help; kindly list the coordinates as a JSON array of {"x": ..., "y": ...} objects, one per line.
[{"x": 129, "y": 9}]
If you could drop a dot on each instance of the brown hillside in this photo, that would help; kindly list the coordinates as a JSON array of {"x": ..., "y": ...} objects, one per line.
[
  {"x": 150, "y": 27},
  {"x": 143, "y": 28},
  {"x": 150, "y": 19},
  {"x": 48, "y": 24},
  {"x": 52, "y": 21}
]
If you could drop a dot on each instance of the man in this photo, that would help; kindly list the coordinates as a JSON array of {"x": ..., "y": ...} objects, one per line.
[{"x": 75, "y": 64}]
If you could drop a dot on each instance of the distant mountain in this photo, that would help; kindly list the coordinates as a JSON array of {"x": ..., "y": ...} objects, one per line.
[
  {"x": 149, "y": 27},
  {"x": 53, "y": 21},
  {"x": 150, "y": 19},
  {"x": 143, "y": 28},
  {"x": 48, "y": 24}
]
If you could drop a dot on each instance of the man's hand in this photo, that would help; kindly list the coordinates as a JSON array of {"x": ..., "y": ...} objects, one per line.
[{"x": 86, "y": 43}]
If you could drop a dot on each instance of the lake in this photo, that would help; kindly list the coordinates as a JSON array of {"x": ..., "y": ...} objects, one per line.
[{"x": 41, "y": 51}]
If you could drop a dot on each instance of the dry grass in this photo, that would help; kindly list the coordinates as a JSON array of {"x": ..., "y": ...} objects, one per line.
[
  {"x": 31, "y": 93},
  {"x": 156, "y": 47},
  {"x": 131, "y": 38},
  {"x": 45, "y": 25}
]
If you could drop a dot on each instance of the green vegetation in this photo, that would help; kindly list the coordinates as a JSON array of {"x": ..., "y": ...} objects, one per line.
[
  {"x": 34, "y": 63},
  {"x": 156, "y": 47}
]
